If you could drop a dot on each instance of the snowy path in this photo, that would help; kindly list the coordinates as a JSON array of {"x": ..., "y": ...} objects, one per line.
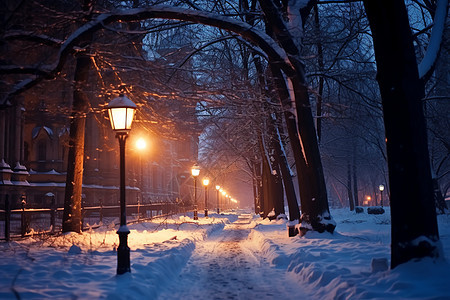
[{"x": 222, "y": 267}]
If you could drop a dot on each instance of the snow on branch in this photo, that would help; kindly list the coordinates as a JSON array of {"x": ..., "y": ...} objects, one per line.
[
  {"x": 245, "y": 30},
  {"x": 430, "y": 57},
  {"x": 33, "y": 37},
  {"x": 295, "y": 22}
]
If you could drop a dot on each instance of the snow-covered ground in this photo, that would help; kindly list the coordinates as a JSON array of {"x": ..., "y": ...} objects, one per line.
[{"x": 224, "y": 257}]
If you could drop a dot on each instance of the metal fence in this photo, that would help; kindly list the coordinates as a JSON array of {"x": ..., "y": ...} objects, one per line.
[{"x": 17, "y": 223}]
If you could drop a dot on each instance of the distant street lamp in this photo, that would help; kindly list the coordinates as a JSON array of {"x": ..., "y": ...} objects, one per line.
[
  {"x": 195, "y": 171},
  {"x": 121, "y": 113},
  {"x": 205, "y": 184},
  {"x": 217, "y": 198},
  {"x": 381, "y": 187}
]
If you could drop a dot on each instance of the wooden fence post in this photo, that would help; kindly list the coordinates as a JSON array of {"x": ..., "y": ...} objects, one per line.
[
  {"x": 138, "y": 212},
  {"x": 53, "y": 214},
  {"x": 23, "y": 219},
  {"x": 101, "y": 211}
]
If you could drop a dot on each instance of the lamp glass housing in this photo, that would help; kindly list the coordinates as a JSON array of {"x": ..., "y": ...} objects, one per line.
[
  {"x": 121, "y": 113},
  {"x": 195, "y": 171},
  {"x": 121, "y": 118}
]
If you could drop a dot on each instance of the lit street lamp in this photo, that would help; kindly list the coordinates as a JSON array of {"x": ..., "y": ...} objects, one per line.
[
  {"x": 195, "y": 171},
  {"x": 121, "y": 113},
  {"x": 217, "y": 198},
  {"x": 206, "y": 183},
  {"x": 381, "y": 187},
  {"x": 141, "y": 144}
]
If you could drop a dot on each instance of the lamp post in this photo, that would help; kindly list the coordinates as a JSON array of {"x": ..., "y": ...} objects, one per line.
[
  {"x": 121, "y": 113},
  {"x": 224, "y": 199},
  {"x": 217, "y": 198},
  {"x": 381, "y": 188},
  {"x": 205, "y": 184},
  {"x": 195, "y": 171}
]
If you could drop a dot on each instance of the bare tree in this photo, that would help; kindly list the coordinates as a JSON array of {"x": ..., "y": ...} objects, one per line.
[{"x": 408, "y": 159}]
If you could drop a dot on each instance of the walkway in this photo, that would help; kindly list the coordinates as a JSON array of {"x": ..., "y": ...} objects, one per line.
[{"x": 222, "y": 267}]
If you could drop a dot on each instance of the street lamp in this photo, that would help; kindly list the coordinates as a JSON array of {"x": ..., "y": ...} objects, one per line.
[
  {"x": 141, "y": 144},
  {"x": 217, "y": 198},
  {"x": 206, "y": 183},
  {"x": 121, "y": 113},
  {"x": 381, "y": 188},
  {"x": 195, "y": 171}
]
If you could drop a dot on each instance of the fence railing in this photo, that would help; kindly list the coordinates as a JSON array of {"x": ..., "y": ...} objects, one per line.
[{"x": 16, "y": 223}]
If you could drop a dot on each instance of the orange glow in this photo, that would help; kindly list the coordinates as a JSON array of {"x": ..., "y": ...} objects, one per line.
[{"x": 141, "y": 144}]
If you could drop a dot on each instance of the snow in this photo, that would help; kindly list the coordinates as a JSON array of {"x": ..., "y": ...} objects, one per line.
[
  {"x": 51, "y": 172},
  {"x": 435, "y": 39},
  {"x": 295, "y": 23},
  {"x": 235, "y": 255},
  {"x": 4, "y": 165},
  {"x": 36, "y": 130}
]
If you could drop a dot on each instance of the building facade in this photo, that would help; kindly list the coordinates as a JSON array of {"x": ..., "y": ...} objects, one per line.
[{"x": 33, "y": 159}]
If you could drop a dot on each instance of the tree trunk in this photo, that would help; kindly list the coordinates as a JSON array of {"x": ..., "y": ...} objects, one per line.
[
  {"x": 313, "y": 194},
  {"x": 255, "y": 190},
  {"x": 292, "y": 129},
  {"x": 267, "y": 199},
  {"x": 74, "y": 179},
  {"x": 355, "y": 185},
  {"x": 277, "y": 190},
  {"x": 260, "y": 188},
  {"x": 321, "y": 80},
  {"x": 349, "y": 188},
  {"x": 414, "y": 231},
  {"x": 256, "y": 186},
  {"x": 294, "y": 212},
  {"x": 272, "y": 184}
]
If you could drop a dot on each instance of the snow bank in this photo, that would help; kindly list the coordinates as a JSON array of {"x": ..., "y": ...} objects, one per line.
[
  {"x": 352, "y": 262},
  {"x": 84, "y": 265},
  {"x": 349, "y": 264}
]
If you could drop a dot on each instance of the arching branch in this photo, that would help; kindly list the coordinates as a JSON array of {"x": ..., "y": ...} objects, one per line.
[{"x": 275, "y": 53}]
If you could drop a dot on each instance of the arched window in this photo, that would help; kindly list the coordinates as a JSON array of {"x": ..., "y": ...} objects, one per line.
[{"x": 42, "y": 150}]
